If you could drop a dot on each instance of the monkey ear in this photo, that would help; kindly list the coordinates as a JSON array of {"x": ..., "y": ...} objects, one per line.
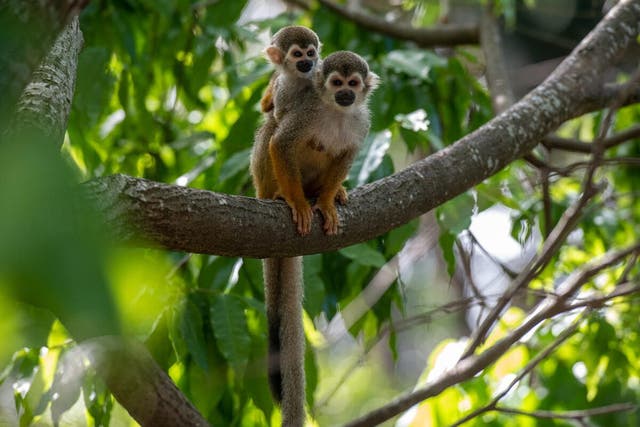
[
  {"x": 372, "y": 81},
  {"x": 274, "y": 54}
]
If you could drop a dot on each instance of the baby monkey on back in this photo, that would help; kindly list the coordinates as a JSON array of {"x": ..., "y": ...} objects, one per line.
[{"x": 295, "y": 51}]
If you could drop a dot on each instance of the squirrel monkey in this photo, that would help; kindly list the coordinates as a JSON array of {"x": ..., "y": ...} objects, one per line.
[
  {"x": 306, "y": 153},
  {"x": 295, "y": 51}
]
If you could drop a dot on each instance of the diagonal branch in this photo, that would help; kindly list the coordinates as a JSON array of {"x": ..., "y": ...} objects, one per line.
[
  {"x": 466, "y": 368},
  {"x": 568, "y": 332},
  {"x": 193, "y": 220},
  {"x": 46, "y": 100},
  {"x": 23, "y": 43}
]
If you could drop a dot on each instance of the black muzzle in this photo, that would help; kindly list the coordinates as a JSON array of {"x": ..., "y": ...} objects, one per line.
[
  {"x": 304, "y": 66},
  {"x": 345, "y": 97}
]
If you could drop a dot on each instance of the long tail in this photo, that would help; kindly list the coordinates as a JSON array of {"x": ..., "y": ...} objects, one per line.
[{"x": 283, "y": 295}]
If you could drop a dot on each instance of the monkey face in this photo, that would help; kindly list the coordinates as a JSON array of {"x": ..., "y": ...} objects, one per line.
[
  {"x": 345, "y": 90},
  {"x": 344, "y": 80},
  {"x": 301, "y": 60}
]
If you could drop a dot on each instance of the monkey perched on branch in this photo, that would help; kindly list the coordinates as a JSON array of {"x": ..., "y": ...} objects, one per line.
[{"x": 304, "y": 151}]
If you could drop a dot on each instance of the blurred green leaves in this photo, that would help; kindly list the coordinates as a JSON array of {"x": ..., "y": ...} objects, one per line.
[{"x": 51, "y": 251}]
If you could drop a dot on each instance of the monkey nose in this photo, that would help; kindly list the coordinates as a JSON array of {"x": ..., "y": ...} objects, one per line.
[
  {"x": 304, "y": 66},
  {"x": 345, "y": 97}
]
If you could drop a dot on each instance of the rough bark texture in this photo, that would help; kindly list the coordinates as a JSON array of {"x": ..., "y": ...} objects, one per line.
[
  {"x": 46, "y": 100},
  {"x": 204, "y": 222},
  {"x": 140, "y": 385},
  {"x": 24, "y": 42}
]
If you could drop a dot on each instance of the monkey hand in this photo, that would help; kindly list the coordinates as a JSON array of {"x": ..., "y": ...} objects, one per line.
[
  {"x": 341, "y": 196},
  {"x": 302, "y": 216},
  {"x": 330, "y": 215},
  {"x": 301, "y": 213}
]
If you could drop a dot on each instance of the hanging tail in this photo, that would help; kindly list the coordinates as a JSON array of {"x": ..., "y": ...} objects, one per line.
[{"x": 283, "y": 297}]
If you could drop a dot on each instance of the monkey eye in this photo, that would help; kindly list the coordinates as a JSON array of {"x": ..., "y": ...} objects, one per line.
[
  {"x": 311, "y": 53},
  {"x": 336, "y": 82},
  {"x": 353, "y": 83},
  {"x": 297, "y": 53}
]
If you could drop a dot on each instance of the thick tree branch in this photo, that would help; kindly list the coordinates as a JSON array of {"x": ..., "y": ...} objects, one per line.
[
  {"x": 46, "y": 101},
  {"x": 439, "y": 35},
  {"x": 24, "y": 42},
  {"x": 193, "y": 220},
  {"x": 140, "y": 385}
]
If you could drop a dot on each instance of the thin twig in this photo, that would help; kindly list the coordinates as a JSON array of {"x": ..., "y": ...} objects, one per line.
[
  {"x": 562, "y": 229},
  {"x": 553, "y": 141},
  {"x": 571, "y": 415},
  {"x": 469, "y": 367},
  {"x": 528, "y": 368}
]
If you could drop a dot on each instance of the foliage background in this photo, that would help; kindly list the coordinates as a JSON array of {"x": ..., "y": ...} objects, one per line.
[{"x": 169, "y": 91}]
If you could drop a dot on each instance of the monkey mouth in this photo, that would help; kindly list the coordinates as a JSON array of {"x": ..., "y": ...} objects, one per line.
[
  {"x": 345, "y": 97},
  {"x": 304, "y": 66}
]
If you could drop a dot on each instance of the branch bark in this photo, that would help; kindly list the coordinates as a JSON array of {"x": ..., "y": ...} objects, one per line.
[
  {"x": 23, "y": 42},
  {"x": 46, "y": 101},
  {"x": 153, "y": 214},
  {"x": 140, "y": 385}
]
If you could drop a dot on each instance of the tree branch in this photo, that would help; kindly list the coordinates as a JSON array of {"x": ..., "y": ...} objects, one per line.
[
  {"x": 466, "y": 368},
  {"x": 571, "y": 415},
  {"x": 528, "y": 368},
  {"x": 199, "y": 221},
  {"x": 437, "y": 35},
  {"x": 46, "y": 101},
  {"x": 139, "y": 384},
  {"x": 553, "y": 141},
  {"x": 23, "y": 43}
]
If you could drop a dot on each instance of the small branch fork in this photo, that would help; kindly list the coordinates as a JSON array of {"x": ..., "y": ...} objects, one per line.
[{"x": 551, "y": 306}]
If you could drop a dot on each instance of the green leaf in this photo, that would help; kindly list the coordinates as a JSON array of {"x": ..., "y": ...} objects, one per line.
[
  {"x": 397, "y": 237},
  {"x": 393, "y": 343},
  {"x": 369, "y": 157},
  {"x": 455, "y": 215},
  {"x": 314, "y": 288},
  {"x": 238, "y": 162},
  {"x": 446, "y": 241},
  {"x": 230, "y": 329},
  {"x": 365, "y": 255},
  {"x": 191, "y": 328},
  {"x": 216, "y": 274}
]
